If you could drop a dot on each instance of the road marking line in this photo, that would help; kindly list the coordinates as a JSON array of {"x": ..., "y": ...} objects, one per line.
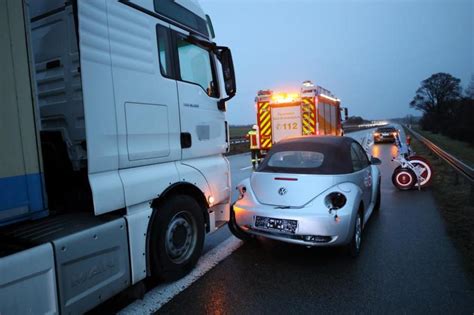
[
  {"x": 163, "y": 293},
  {"x": 246, "y": 168}
]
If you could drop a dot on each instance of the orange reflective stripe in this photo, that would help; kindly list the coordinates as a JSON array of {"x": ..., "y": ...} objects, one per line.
[
  {"x": 264, "y": 127},
  {"x": 308, "y": 117}
]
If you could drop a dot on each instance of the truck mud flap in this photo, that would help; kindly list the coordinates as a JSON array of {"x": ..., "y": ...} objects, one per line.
[
  {"x": 28, "y": 282},
  {"x": 92, "y": 266}
]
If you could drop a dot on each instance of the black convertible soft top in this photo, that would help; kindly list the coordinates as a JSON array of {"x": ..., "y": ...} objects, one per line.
[{"x": 336, "y": 151}]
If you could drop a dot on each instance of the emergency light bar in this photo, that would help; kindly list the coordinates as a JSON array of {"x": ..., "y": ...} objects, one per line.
[{"x": 285, "y": 97}]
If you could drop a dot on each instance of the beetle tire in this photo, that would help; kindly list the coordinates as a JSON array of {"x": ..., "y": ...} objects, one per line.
[
  {"x": 378, "y": 200},
  {"x": 353, "y": 248},
  {"x": 236, "y": 230}
]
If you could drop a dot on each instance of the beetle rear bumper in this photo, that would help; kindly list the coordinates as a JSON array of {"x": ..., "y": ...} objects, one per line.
[{"x": 314, "y": 227}]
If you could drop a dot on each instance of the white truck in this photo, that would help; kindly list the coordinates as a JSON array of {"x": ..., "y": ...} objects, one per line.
[{"x": 113, "y": 129}]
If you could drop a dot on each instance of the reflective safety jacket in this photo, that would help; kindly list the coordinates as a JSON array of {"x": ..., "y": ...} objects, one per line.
[{"x": 252, "y": 136}]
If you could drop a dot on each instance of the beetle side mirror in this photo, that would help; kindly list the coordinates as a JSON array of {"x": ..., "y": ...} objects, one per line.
[{"x": 375, "y": 161}]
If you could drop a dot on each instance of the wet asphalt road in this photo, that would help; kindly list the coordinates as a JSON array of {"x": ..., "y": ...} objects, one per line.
[{"x": 407, "y": 265}]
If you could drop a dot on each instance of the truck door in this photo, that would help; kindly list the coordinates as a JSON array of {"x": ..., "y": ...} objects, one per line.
[{"x": 203, "y": 131}]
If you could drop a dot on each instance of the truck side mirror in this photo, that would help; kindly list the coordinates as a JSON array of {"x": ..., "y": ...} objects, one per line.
[
  {"x": 346, "y": 113},
  {"x": 225, "y": 57},
  {"x": 228, "y": 71}
]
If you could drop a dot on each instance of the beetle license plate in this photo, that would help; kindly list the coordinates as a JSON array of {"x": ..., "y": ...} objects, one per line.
[{"x": 280, "y": 225}]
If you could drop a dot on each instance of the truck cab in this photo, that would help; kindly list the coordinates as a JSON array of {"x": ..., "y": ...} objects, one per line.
[{"x": 113, "y": 135}]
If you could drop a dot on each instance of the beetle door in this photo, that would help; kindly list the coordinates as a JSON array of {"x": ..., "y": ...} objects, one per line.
[{"x": 362, "y": 165}]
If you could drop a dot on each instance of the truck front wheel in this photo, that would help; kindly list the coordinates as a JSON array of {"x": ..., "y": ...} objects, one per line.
[{"x": 177, "y": 237}]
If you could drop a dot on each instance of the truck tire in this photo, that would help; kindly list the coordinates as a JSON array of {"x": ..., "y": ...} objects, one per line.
[
  {"x": 403, "y": 178},
  {"x": 176, "y": 237}
]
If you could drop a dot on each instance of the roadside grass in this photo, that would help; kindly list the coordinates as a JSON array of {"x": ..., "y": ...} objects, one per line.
[
  {"x": 460, "y": 149},
  {"x": 454, "y": 196},
  {"x": 239, "y": 131}
]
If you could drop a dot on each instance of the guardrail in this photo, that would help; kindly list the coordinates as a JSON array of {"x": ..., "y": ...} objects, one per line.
[
  {"x": 459, "y": 166},
  {"x": 238, "y": 140},
  {"x": 367, "y": 142}
]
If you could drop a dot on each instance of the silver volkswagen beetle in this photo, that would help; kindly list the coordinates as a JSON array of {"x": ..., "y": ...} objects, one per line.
[{"x": 311, "y": 190}]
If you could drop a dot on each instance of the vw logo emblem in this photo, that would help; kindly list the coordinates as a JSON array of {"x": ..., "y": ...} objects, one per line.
[{"x": 282, "y": 191}]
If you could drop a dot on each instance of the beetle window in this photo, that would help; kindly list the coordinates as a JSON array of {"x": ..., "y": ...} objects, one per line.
[
  {"x": 356, "y": 164},
  {"x": 359, "y": 157},
  {"x": 364, "y": 160},
  {"x": 296, "y": 159}
]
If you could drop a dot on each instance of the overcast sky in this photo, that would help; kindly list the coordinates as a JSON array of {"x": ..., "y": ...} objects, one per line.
[{"x": 372, "y": 54}]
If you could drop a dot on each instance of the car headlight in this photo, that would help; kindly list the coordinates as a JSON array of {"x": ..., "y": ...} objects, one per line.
[
  {"x": 335, "y": 201},
  {"x": 242, "y": 190}
]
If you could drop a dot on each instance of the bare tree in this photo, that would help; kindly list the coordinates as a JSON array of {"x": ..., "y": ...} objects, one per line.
[
  {"x": 470, "y": 89},
  {"x": 435, "y": 92}
]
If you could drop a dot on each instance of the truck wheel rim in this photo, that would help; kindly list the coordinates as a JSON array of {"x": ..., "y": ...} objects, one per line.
[
  {"x": 358, "y": 232},
  {"x": 181, "y": 237}
]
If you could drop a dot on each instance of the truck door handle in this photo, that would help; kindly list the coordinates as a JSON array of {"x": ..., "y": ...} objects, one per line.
[{"x": 186, "y": 141}]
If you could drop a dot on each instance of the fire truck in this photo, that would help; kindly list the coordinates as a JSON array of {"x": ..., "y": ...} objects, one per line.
[{"x": 312, "y": 111}]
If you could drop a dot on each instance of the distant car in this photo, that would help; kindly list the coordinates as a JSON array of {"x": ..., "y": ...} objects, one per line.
[
  {"x": 311, "y": 190},
  {"x": 385, "y": 134}
]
